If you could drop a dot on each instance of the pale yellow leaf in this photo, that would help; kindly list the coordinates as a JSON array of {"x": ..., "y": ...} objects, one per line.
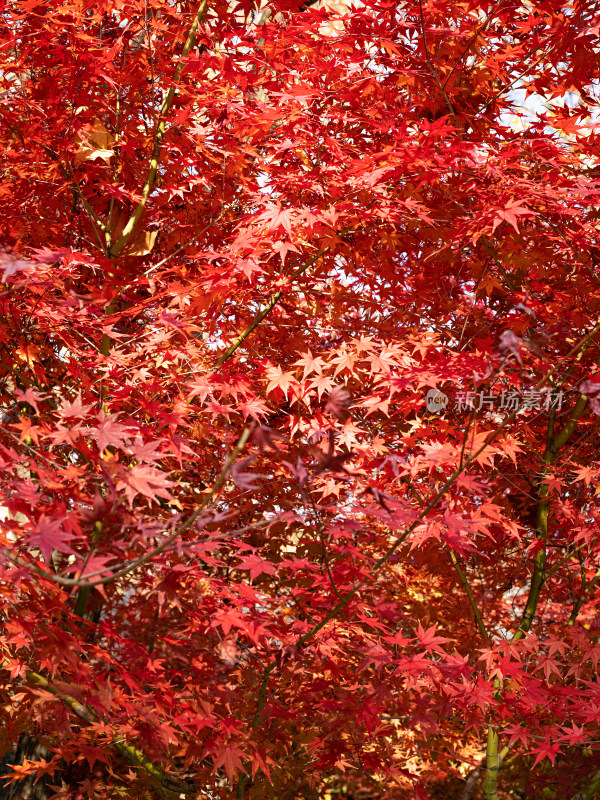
[
  {"x": 95, "y": 142},
  {"x": 143, "y": 244}
]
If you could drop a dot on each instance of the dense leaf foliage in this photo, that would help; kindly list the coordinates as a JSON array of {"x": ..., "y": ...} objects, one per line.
[{"x": 300, "y": 385}]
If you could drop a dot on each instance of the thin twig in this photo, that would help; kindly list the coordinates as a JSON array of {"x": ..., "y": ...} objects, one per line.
[
  {"x": 268, "y": 308},
  {"x": 184, "y": 245},
  {"x": 434, "y": 74},
  {"x": 164, "y": 544},
  {"x": 468, "y": 590}
]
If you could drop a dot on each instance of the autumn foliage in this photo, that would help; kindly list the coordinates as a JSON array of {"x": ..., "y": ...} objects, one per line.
[{"x": 241, "y": 554}]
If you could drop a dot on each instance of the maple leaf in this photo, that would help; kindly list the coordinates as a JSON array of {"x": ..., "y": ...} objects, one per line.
[
  {"x": 49, "y": 534},
  {"x": 254, "y": 407},
  {"x": 27, "y": 768},
  {"x": 217, "y": 409},
  {"x": 376, "y": 403},
  {"x": 30, "y": 396},
  {"x": 73, "y": 409},
  {"x": 147, "y": 481},
  {"x": 548, "y": 665},
  {"x": 480, "y": 694},
  {"x": 510, "y": 344},
  {"x": 10, "y": 264},
  {"x": 438, "y": 453},
  {"x": 261, "y": 761},
  {"x": 556, "y": 645},
  {"x": 245, "y": 480},
  {"x": 586, "y": 474},
  {"x": 249, "y": 266},
  {"x": 379, "y": 497},
  {"x": 109, "y": 432},
  {"x": 310, "y": 364},
  {"x": 299, "y": 472},
  {"x": 265, "y": 438},
  {"x": 591, "y": 388},
  {"x": 227, "y": 620},
  {"x": 278, "y": 379},
  {"x": 510, "y": 214},
  {"x": 147, "y": 452},
  {"x": 28, "y": 430},
  {"x": 345, "y": 361},
  {"x": 429, "y": 640},
  {"x": 573, "y": 735},
  {"x": 231, "y": 758},
  {"x": 487, "y": 455},
  {"x": 276, "y": 217},
  {"x": 338, "y": 402},
  {"x": 327, "y": 461},
  {"x": 510, "y": 447},
  {"x": 322, "y": 383},
  {"x": 548, "y": 749},
  {"x": 283, "y": 248},
  {"x": 376, "y": 656},
  {"x": 257, "y": 566},
  {"x": 201, "y": 387},
  {"x": 553, "y": 483}
]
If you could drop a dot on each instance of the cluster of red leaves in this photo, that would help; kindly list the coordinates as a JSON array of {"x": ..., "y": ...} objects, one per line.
[{"x": 239, "y": 554}]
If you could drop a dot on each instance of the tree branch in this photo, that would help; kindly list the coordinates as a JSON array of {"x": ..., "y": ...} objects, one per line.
[
  {"x": 167, "y": 102},
  {"x": 538, "y": 577},
  {"x": 166, "y": 784},
  {"x": 469, "y": 591},
  {"x": 159, "y": 548},
  {"x": 268, "y": 308}
]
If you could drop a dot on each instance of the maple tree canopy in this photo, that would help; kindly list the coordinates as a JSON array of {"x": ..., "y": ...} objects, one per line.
[{"x": 300, "y": 393}]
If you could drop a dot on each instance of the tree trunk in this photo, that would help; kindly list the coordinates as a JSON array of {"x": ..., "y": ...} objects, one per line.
[{"x": 29, "y": 748}]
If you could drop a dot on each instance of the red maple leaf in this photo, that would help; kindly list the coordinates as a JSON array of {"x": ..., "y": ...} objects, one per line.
[{"x": 49, "y": 534}]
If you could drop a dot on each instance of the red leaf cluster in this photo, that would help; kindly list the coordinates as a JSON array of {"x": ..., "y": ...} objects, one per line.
[{"x": 240, "y": 553}]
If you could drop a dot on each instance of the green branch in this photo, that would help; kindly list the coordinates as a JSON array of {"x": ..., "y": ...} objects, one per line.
[
  {"x": 167, "y": 103},
  {"x": 467, "y": 587},
  {"x": 268, "y": 308},
  {"x": 539, "y": 568},
  {"x": 494, "y": 761},
  {"x": 166, "y": 785},
  {"x": 538, "y": 578}
]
